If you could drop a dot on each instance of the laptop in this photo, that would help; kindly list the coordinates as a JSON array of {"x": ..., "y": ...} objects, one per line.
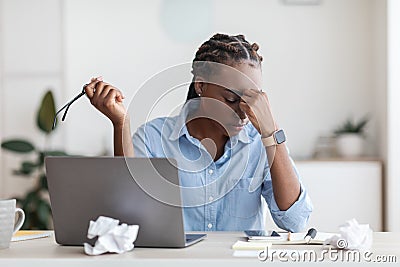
[{"x": 139, "y": 191}]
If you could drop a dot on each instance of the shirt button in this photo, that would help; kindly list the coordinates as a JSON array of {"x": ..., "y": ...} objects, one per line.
[
  {"x": 210, "y": 198},
  {"x": 210, "y": 171},
  {"x": 209, "y": 226}
]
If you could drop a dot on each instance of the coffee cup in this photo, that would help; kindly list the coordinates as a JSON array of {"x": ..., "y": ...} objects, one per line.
[{"x": 9, "y": 225}]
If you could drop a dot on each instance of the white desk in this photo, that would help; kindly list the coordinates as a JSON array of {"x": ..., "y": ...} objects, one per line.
[{"x": 215, "y": 250}]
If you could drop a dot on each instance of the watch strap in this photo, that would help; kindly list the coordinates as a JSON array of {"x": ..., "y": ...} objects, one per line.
[{"x": 269, "y": 141}]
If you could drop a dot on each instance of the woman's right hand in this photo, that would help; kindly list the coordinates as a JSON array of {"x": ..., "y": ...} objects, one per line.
[{"x": 107, "y": 99}]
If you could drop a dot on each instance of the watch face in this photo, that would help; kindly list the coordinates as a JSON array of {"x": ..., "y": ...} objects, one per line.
[{"x": 280, "y": 137}]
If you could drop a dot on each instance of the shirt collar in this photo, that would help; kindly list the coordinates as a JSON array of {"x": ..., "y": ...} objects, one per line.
[{"x": 179, "y": 129}]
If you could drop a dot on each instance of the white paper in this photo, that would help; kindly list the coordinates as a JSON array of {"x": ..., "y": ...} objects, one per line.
[
  {"x": 112, "y": 237},
  {"x": 353, "y": 236}
]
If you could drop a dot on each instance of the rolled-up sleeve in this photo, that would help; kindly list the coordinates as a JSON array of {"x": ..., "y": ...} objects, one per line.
[{"x": 296, "y": 217}]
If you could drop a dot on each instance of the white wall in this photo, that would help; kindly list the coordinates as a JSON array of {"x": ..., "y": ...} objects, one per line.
[
  {"x": 393, "y": 96},
  {"x": 321, "y": 63},
  {"x": 323, "y": 52},
  {"x": 317, "y": 64},
  {"x": 379, "y": 75},
  {"x": 30, "y": 64}
]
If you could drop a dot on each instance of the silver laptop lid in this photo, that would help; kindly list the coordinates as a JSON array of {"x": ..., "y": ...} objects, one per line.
[{"x": 83, "y": 188}]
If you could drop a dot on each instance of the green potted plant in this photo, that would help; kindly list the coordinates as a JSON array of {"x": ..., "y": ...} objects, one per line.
[
  {"x": 350, "y": 137},
  {"x": 35, "y": 202}
]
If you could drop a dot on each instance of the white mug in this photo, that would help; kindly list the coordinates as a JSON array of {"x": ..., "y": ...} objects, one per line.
[{"x": 8, "y": 225}]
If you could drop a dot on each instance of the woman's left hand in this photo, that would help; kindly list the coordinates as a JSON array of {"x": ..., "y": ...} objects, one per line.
[{"x": 257, "y": 108}]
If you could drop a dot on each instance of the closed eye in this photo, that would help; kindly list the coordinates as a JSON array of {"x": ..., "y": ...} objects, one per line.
[
  {"x": 232, "y": 96},
  {"x": 231, "y": 100}
]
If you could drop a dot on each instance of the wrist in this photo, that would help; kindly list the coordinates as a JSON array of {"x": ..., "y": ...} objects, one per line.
[
  {"x": 268, "y": 130},
  {"x": 276, "y": 138},
  {"x": 121, "y": 124}
]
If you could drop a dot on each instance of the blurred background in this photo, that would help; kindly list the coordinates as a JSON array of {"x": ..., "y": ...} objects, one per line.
[{"x": 325, "y": 62}]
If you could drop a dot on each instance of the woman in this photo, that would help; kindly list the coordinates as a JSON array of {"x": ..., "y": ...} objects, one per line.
[{"x": 225, "y": 140}]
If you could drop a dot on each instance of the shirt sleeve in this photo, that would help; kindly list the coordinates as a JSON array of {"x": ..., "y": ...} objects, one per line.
[
  {"x": 296, "y": 217},
  {"x": 142, "y": 144}
]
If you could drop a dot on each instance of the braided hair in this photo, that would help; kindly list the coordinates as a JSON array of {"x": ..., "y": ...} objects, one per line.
[{"x": 224, "y": 49}]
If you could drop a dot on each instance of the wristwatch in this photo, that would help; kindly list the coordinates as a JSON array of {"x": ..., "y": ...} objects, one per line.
[{"x": 276, "y": 138}]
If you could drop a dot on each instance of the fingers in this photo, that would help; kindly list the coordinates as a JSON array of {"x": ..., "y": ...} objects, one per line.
[
  {"x": 252, "y": 102},
  {"x": 249, "y": 99},
  {"x": 117, "y": 93},
  {"x": 110, "y": 98},
  {"x": 113, "y": 95},
  {"x": 256, "y": 105},
  {"x": 105, "y": 90},
  {"x": 100, "y": 85},
  {"x": 107, "y": 99},
  {"x": 244, "y": 107},
  {"x": 251, "y": 92},
  {"x": 251, "y": 96},
  {"x": 97, "y": 88},
  {"x": 266, "y": 97},
  {"x": 102, "y": 94},
  {"x": 90, "y": 88}
]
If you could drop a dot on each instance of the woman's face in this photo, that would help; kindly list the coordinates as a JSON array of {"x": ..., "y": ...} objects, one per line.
[{"x": 220, "y": 96}]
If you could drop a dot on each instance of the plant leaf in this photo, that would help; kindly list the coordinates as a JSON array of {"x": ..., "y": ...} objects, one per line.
[
  {"x": 46, "y": 113},
  {"x": 18, "y": 145},
  {"x": 54, "y": 153},
  {"x": 43, "y": 182},
  {"x": 30, "y": 202},
  {"x": 27, "y": 167},
  {"x": 43, "y": 212},
  {"x": 41, "y": 157},
  {"x": 350, "y": 126},
  {"x": 362, "y": 123}
]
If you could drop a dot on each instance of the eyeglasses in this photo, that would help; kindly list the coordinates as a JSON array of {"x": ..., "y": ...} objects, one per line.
[{"x": 66, "y": 107}]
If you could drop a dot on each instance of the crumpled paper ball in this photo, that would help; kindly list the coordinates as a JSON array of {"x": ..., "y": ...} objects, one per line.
[
  {"x": 352, "y": 235},
  {"x": 112, "y": 237}
]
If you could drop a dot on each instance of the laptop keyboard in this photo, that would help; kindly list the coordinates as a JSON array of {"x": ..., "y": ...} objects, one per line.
[{"x": 190, "y": 237}]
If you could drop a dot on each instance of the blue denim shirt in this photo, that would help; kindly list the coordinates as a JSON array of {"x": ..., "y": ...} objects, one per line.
[{"x": 224, "y": 195}]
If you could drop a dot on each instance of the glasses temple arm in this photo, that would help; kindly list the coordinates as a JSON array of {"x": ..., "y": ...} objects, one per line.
[{"x": 66, "y": 106}]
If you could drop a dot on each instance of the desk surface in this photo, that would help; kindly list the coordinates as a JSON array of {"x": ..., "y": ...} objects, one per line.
[{"x": 216, "y": 249}]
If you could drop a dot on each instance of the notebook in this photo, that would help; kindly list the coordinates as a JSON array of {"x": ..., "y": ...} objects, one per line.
[
  {"x": 244, "y": 245},
  {"x": 288, "y": 239},
  {"x": 27, "y": 235},
  {"x": 298, "y": 239}
]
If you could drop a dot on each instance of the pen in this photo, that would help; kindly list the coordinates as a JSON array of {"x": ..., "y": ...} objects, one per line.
[{"x": 311, "y": 233}]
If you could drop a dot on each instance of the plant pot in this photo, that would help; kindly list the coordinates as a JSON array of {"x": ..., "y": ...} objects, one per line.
[{"x": 350, "y": 145}]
